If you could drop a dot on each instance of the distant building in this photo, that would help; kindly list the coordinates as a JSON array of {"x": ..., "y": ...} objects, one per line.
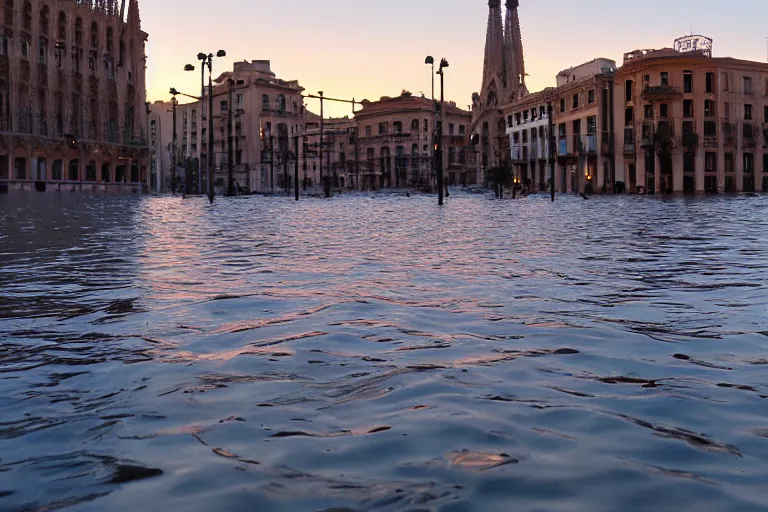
[
  {"x": 72, "y": 96},
  {"x": 583, "y": 126},
  {"x": 340, "y": 152},
  {"x": 396, "y": 138},
  {"x": 688, "y": 122},
  {"x": 503, "y": 81}
]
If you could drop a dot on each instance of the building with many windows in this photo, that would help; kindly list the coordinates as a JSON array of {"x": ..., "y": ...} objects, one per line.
[
  {"x": 72, "y": 96},
  {"x": 396, "y": 138},
  {"x": 691, "y": 122},
  {"x": 583, "y": 126}
]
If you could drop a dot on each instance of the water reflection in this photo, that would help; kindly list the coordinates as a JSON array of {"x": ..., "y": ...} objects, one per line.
[{"x": 377, "y": 353}]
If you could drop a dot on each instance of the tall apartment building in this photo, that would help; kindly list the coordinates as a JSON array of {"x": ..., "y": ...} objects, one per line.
[
  {"x": 72, "y": 95},
  {"x": 692, "y": 123},
  {"x": 582, "y": 119}
]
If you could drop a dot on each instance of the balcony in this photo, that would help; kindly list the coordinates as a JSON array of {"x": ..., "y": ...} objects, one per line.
[
  {"x": 710, "y": 141},
  {"x": 662, "y": 93}
]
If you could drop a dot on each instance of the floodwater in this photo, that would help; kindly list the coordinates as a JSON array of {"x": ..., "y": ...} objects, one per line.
[{"x": 377, "y": 353}]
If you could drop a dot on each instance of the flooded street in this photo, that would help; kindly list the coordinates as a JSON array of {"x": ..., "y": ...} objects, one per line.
[{"x": 378, "y": 353}]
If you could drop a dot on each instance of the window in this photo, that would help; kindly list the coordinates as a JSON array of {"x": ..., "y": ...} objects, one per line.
[
  {"x": 727, "y": 110},
  {"x": 664, "y": 79},
  {"x": 462, "y": 129},
  {"x": 710, "y": 129},
  {"x": 542, "y": 111},
  {"x": 42, "y": 51},
  {"x": 747, "y": 85},
  {"x": 281, "y": 102},
  {"x": 295, "y": 106},
  {"x": 687, "y": 108},
  {"x": 426, "y": 126},
  {"x": 575, "y": 101},
  {"x": 628, "y": 90},
  {"x": 664, "y": 110},
  {"x": 239, "y": 99},
  {"x": 710, "y": 162},
  {"x": 710, "y": 83},
  {"x": 383, "y": 128},
  {"x": 561, "y": 130},
  {"x": 368, "y": 131},
  {"x": 562, "y": 105},
  {"x": 748, "y": 112},
  {"x": 591, "y": 125},
  {"x": 724, "y": 80},
  {"x": 629, "y": 116},
  {"x": 518, "y": 118},
  {"x": 265, "y": 102},
  {"x": 224, "y": 105},
  {"x": 748, "y": 130},
  {"x": 646, "y": 81},
  {"x": 687, "y": 82},
  {"x": 397, "y": 126},
  {"x": 729, "y": 162},
  {"x": 533, "y": 114},
  {"x": 25, "y": 49},
  {"x": 415, "y": 126},
  {"x": 590, "y": 96},
  {"x": 687, "y": 127},
  {"x": 451, "y": 129},
  {"x": 749, "y": 163},
  {"x": 709, "y": 108},
  {"x": 648, "y": 111}
]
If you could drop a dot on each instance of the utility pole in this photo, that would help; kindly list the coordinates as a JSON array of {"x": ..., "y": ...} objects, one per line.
[
  {"x": 296, "y": 168},
  {"x": 230, "y": 163},
  {"x": 551, "y": 128}
]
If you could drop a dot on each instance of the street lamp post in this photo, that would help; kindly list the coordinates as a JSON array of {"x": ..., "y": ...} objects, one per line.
[
  {"x": 208, "y": 60},
  {"x": 174, "y": 155},
  {"x": 443, "y": 65},
  {"x": 230, "y": 168},
  {"x": 189, "y": 67},
  {"x": 431, "y": 61}
]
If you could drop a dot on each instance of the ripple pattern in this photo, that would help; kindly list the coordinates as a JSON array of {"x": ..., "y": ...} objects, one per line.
[{"x": 376, "y": 353}]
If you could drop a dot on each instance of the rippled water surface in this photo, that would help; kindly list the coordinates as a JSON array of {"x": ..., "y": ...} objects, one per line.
[{"x": 376, "y": 353}]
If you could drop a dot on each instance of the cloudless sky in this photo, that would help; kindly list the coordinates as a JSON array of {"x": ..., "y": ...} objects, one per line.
[{"x": 373, "y": 48}]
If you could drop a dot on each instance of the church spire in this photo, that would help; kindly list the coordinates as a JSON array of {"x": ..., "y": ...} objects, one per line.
[
  {"x": 514, "y": 63},
  {"x": 494, "y": 43}
]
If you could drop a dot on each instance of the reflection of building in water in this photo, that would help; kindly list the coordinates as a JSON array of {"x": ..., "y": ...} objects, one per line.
[{"x": 72, "y": 98}]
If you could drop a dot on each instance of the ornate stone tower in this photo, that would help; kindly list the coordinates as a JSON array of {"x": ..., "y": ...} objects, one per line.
[{"x": 503, "y": 80}]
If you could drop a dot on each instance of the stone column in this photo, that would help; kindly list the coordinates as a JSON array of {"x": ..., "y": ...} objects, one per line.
[
  {"x": 720, "y": 162},
  {"x": 678, "y": 171},
  {"x": 738, "y": 158},
  {"x": 657, "y": 173},
  {"x": 699, "y": 172}
]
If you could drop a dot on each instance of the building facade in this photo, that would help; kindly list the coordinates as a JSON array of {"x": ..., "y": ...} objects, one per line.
[
  {"x": 503, "y": 81},
  {"x": 692, "y": 123},
  {"x": 73, "y": 112},
  {"x": 582, "y": 124},
  {"x": 396, "y": 138}
]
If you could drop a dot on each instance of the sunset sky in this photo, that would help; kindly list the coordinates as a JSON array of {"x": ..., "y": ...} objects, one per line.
[{"x": 369, "y": 49}]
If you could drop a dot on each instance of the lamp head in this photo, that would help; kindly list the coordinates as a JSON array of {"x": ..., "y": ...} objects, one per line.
[
  {"x": 173, "y": 91},
  {"x": 202, "y": 56},
  {"x": 443, "y": 64},
  {"x": 221, "y": 53},
  {"x": 189, "y": 67},
  {"x": 429, "y": 60}
]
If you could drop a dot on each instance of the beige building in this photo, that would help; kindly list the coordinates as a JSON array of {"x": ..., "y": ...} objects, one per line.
[
  {"x": 396, "y": 139},
  {"x": 72, "y": 96},
  {"x": 582, "y": 119},
  {"x": 340, "y": 152},
  {"x": 691, "y": 123}
]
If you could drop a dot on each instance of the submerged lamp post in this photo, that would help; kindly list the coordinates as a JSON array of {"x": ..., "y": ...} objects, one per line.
[{"x": 439, "y": 145}]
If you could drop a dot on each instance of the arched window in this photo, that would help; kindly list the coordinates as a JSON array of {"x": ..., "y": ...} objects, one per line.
[
  {"x": 62, "y": 32},
  {"x": 45, "y": 16},
  {"x": 94, "y": 35},
  {"x": 415, "y": 126},
  {"x": 265, "y": 102},
  {"x": 397, "y": 126},
  {"x": 281, "y": 102},
  {"x": 8, "y": 13},
  {"x": 79, "y": 31},
  {"x": 26, "y": 16},
  {"x": 110, "y": 37}
]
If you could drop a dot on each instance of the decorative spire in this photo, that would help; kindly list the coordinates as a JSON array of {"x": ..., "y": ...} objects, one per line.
[
  {"x": 494, "y": 43},
  {"x": 514, "y": 62}
]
